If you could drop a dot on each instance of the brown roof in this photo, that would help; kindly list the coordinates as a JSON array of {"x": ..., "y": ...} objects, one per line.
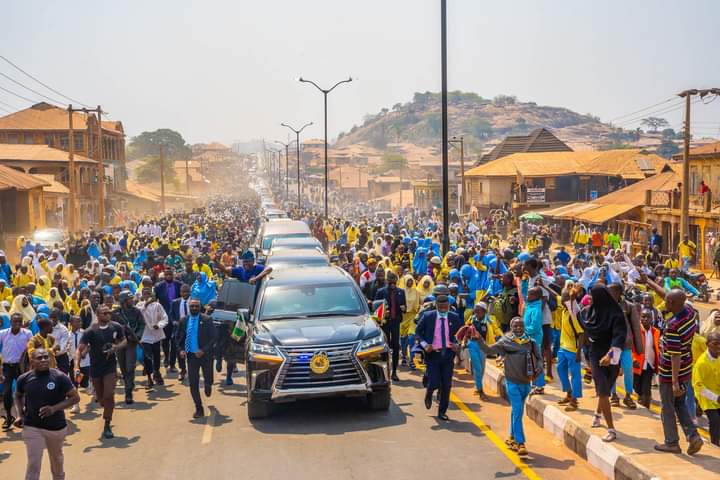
[
  {"x": 615, "y": 203},
  {"x": 43, "y": 116},
  {"x": 707, "y": 150},
  {"x": 11, "y": 178},
  {"x": 629, "y": 164},
  {"x": 55, "y": 186},
  {"x": 37, "y": 153},
  {"x": 539, "y": 140},
  {"x": 394, "y": 199},
  {"x": 352, "y": 177}
]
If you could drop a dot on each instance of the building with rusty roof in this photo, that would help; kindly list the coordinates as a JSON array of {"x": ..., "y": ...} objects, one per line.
[
  {"x": 539, "y": 140},
  {"x": 540, "y": 180},
  {"x": 22, "y": 202}
]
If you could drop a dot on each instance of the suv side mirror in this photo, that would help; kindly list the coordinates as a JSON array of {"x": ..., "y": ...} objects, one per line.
[{"x": 245, "y": 316}]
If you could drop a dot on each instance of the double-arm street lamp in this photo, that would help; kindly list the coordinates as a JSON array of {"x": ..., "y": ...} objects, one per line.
[
  {"x": 287, "y": 169},
  {"x": 325, "y": 94},
  {"x": 297, "y": 146}
]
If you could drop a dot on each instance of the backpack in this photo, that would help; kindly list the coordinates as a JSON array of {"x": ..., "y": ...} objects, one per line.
[{"x": 502, "y": 307}]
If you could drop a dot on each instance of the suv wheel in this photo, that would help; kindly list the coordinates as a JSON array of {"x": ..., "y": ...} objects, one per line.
[
  {"x": 379, "y": 400},
  {"x": 257, "y": 409}
]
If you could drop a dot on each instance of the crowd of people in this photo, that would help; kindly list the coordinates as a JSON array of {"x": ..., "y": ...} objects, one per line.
[{"x": 108, "y": 300}]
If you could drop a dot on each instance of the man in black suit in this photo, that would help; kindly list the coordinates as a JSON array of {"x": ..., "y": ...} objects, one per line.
[
  {"x": 179, "y": 308},
  {"x": 436, "y": 330},
  {"x": 196, "y": 337},
  {"x": 166, "y": 291},
  {"x": 395, "y": 302}
]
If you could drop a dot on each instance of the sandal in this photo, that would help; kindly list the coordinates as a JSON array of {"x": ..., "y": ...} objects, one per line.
[
  {"x": 565, "y": 401},
  {"x": 511, "y": 444},
  {"x": 610, "y": 436},
  {"x": 596, "y": 421},
  {"x": 572, "y": 406}
]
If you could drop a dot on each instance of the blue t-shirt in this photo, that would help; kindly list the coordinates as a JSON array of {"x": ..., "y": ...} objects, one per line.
[{"x": 245, "y": 275}]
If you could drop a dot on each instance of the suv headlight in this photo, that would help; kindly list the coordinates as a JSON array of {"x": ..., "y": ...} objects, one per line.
[
  {"x": 372, "y": 346},
  {"x": 263, "y": 352}
]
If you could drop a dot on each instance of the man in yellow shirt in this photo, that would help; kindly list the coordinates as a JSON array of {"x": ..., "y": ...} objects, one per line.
[
  {"x": 706, "y": 384},
  {"x": 686, "y": 250}
]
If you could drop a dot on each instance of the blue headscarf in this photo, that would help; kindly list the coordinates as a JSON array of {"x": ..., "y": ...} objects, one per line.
[
  {"x": 203, "y": 289},
  {"x": 140, "y": 259},
  {"x": 420, "y": 262},
  {"x": 93, "y": 250}
]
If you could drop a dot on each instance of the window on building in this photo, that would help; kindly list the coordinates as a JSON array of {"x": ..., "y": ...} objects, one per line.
[
  {"x": 13, "y": 138},
  {"x": 28, "y": 139},
  {"x": 49, "y": 140},
  {"x": 79, "y": 142},
  {"x": 64, "y": 141}
]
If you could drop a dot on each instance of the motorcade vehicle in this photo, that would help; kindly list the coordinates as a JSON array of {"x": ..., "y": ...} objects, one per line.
[
  {"x": 298, "y": 243},
  {"x": 279, "y": 228},
  {"x": 272, "y": 213},
  {"x": 48, "y": 237},
  {"x": 296, "y": 257},
  {"x": 311, "y": 335}
]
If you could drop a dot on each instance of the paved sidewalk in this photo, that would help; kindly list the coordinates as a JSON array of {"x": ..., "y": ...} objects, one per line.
[{"x": 632, "y": 455}]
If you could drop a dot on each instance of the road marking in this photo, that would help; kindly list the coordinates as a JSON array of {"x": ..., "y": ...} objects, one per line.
[
  {"x": 492, "y": 436},
  {"x": 208, "y": 430},
  {"x": 657, "y": 410}
]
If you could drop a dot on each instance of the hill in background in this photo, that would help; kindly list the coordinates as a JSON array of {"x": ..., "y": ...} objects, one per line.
[{"x": 481, "y": 121}]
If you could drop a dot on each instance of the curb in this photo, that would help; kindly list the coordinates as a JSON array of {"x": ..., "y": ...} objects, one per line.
[{"x": 614, "y": 464}]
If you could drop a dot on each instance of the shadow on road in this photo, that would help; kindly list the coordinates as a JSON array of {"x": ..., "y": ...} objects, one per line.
[
  {"x": 328, "y": 416},
  {"x": 117, "y": 442}
]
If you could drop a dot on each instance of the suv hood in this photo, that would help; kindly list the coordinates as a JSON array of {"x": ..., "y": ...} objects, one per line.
[{"x": 317, "y": 331}]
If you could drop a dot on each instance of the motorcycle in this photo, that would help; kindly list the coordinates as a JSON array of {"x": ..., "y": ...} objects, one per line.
[{"x": 700, "y": 282}]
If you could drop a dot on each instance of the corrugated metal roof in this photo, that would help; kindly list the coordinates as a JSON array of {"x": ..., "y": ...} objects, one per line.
[
  {"x": 620, "y": 163},
  {"x": 37, "y": 153},
  {"x": 55, "y": 186},
  {"x": 11, "y": 178},
  {"x": 616, "y": 203},
  {"x": 43, "y": 116}
]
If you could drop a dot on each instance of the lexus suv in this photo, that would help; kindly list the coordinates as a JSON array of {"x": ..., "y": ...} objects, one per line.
[{"x": 311, "y": 335}]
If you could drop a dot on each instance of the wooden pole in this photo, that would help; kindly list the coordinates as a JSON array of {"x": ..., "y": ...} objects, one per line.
[
  {"x": 462, "y": 175},
  {"x": 101, "y": 173},
  {"x": 187, "y": 176},
  {"x": 72, "y": 217},
  {"x": 685, "y": 201}
]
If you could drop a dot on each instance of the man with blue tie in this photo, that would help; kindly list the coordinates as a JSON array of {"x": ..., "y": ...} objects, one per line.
[
  {"x": 196, "y": 337},
  {"x": 166, "y": 291},
  {"x": 179, "y": 308},
  {"x": 436, "y": 330}
]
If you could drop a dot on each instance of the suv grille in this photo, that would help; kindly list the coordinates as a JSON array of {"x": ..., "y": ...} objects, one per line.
[{"x": 296, "y": 371}]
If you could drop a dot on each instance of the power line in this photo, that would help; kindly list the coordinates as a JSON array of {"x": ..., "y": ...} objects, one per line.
[
  {"x": 54, "y": 100},
  {"x": 642, "y": 109},
  {"x": 8, "y": 105},
  {"x": 662, "y": 111},
  {"x": 17, "y": 95},
  {"x": 46, "y": 85}
]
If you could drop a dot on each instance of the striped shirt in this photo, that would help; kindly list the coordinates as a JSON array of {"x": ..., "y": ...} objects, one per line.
[{"x": 677, "y": 340}]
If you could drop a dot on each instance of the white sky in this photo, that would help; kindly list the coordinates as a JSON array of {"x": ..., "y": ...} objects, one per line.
[{"x": 225, "y": 69}]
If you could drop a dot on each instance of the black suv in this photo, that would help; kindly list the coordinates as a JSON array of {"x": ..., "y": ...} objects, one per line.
[{"x": 311, "y": 335}]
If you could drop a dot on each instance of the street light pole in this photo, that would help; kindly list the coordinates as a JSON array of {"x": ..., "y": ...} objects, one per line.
[
  {"x": 287, "y": 169},
  {"x": 461, "y": 141},
  {"x": 325, "y": 94},
  {"x": 297, "y": 145},
  {"x": 445, "y": 179}
]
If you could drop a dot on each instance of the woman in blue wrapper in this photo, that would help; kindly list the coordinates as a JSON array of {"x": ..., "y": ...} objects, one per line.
[{"x": 203, "y": 289}]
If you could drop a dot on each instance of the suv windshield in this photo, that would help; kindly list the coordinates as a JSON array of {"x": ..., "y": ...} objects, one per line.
[
  {"x": 268, "y": 239},
  {"x": 307, "y": 300}
]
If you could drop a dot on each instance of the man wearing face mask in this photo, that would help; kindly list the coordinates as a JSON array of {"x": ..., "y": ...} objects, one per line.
[
  {"x": 396, "y": 306},
  {"x": 195, "y": 337},
  {"x": 436, "y": 330}
]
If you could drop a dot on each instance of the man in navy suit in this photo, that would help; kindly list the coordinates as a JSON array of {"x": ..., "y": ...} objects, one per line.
[
  {"x": 179, "y": 308},
  {"x": 436, "y": 330},
  {"x": 166, "y": 291},
  {"x": 396, "y": 305}
]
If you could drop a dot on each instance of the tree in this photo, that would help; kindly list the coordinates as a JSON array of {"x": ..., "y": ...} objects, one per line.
[
  {"x": 146, "y": 147},
  {"x": 479, "y": 128},
  {"x": 667, "y": 148},
  {"x": 503, "y": 100},
  {"x": 393, "y": 161},
  {"x": 654, "y": 123}
]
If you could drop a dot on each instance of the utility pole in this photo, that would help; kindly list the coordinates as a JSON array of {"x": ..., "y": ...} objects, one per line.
[
  {"x": 287, "y": 168},
  {"x": 685, "y": 198},
  {"x": 187, "y": 176},
  {"x": 101, "y": 166},
  {"x": 72, "y": 199},
  {"x": 162, "y": 178},
  {"x": 445, "y": 179},
  {"x": 297, "y": 145}
]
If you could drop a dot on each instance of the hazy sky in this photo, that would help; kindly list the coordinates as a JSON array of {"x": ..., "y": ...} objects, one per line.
[{"x": 225, "y": 69}]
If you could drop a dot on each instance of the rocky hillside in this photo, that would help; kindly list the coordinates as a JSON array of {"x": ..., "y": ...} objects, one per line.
[{"x": 478, "y": 119}]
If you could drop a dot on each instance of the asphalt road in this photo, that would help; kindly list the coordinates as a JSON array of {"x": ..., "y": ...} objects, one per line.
[{"x": 331, "y": 438}]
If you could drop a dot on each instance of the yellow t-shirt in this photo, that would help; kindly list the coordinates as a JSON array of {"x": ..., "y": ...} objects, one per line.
[
  {"x": 686, "y": 249},
  {"x": 568, "y": 337}
]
